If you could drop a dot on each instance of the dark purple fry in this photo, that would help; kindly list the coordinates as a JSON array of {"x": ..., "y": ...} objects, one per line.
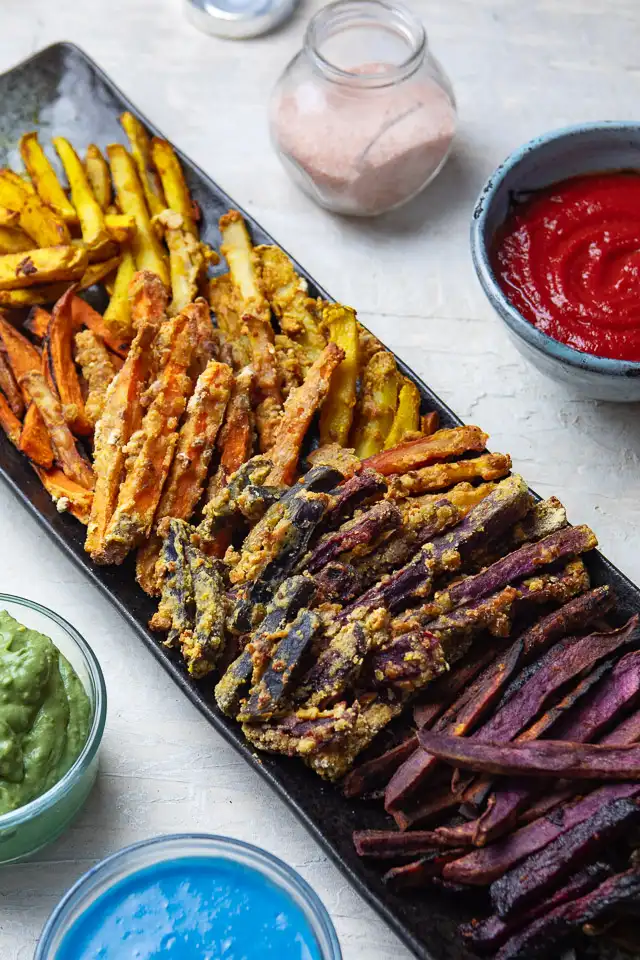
[
  {"x": 518, "y": 565},
  {"x": 411, "y": 876},
  {"x": 304, "y": 736},
  {"x": 267, "y": 694},
  {"x": 403, "y": 666},
  {"x": 549, "y": 801},
  {"x": 554, "y": 927},
  {"x": 486, "y": 936},
  {"x": 375, "y": 773},
  {"x": 494, "y": 515},
  {"x": 441, "y": 800},
  {"x": 362, "y": 488},
  {"x": 572, "y": 618},
  {"x": 354, "y": 534},
  {"x": 387, "y": 844},
  {"x": 483, "y": 866},
  {"x": 618, "y": 693},
  {"x": 627, "y": 731},
  {"x": 544, "y": 871},
  {"x": 440, "y": 695},
  {"x": 338, "y": 583},
  {"x": 458, "y": 720},
  {"x": 336, "y": 669}
]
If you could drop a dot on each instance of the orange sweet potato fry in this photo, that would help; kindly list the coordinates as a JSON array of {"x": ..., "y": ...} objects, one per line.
[
  {"x": 267, "y": 377},
  {"x": 68, "y": 496},
  {"x": 9, "y": 422},
  {"x": 418, "y": 453},
  {"x": 183, "y": 489},
  {"x": 59, "y": 345},
  {"x": 9, "y": 387},
  {"x": 149, "y": 464},
  {"x": 299, "y": 410},
  {"x": 121, "y": 418},
  {"x": 148, "y": 298},
  {"x": 429, "y": 423},
  {"x": 83, "y": 315},
  {"x": 37, "y": 323},
  {"x": 73, "y": 464},
  {"x": 24, "y": 358},
  {"x": 236, "y": 438}
]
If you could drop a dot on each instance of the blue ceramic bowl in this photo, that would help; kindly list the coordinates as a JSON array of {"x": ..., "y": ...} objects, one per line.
[{"x": 586, "y": 148}]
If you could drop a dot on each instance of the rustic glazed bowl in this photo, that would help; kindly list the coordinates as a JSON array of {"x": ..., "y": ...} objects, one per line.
[{"x": 571, "y": 151}]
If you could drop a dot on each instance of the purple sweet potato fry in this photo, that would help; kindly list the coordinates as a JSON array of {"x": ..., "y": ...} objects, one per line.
[
  {"x": 390, "y": 844},
  {"x": 354, "y": 534},
  {"x": 417, "y": 874},
  {"x": 375, "y": 773}
]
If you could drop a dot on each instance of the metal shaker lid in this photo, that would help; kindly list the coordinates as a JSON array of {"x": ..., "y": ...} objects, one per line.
[{"x": 239, "y": 19}]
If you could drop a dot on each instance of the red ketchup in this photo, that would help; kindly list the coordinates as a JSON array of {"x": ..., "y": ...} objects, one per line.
[{"x": 568, "y": 259}]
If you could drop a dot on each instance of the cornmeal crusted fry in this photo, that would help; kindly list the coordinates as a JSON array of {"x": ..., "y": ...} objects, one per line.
[
  {"x": 148, "y": 299},
  {"x": 84, "y": 315},
  {"x": 62, "y": 368},
  {"x": 44, "y": 265},
  {"x": 68, "y": 496},
  {"x": 202, "y": 646},
  {"x": 377, "y": 405},
  {"x": 145, "y": 245},
  {"x": 187, "y": 476},
  {"x": 141, "y": 152},
  {"x": 97, "y": 173},
  {"x": 299, "y": 410},
  {"x": 226, "y": 304},
  {"x": 267, "y": 380},
  {"x": 173, "y": 183},
  {"x": 121, "y": 418},
  {"x": 186, "y": 259},
  {"x": 73, "y": 465},
  {"x": 88, "y": 209},
  {"x": 117, "y": 316},
  {"x": 152, "y": 453},
  {"x": 368, "y": 345},
  {"x": 438, "y": 446},
  {"x": 441, "y": 476},
  {"x": 406, "y": 423},
  {"x": 337, "y": 412},
  {"x": 288, "y": 298},
  {"x": 176, "y": 610},
  {"x": 44, "y": 178},
  {"x": 93, "y": 359},
  {"x": 290, "y": 363}
]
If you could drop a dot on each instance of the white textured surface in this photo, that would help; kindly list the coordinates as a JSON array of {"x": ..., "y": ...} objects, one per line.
[{"x": 519, "y": 67}]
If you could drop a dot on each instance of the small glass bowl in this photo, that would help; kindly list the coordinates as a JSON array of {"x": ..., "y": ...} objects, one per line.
[
  {"x": 149, "y": 853},
  {"x": 29, "y": 828}
]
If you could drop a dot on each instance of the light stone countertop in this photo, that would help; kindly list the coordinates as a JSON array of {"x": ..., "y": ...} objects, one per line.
[{"x": 519, "y": 67}]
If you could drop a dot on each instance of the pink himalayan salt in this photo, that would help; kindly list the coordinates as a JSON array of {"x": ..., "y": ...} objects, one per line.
[{"x": 366, "y": 150}]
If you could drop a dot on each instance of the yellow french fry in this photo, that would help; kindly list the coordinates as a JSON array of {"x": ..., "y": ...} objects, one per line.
[{"x": 44, "y": 178}]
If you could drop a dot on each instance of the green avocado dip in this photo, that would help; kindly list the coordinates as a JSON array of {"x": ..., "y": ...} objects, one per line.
[{"x": 45, "y": 714}]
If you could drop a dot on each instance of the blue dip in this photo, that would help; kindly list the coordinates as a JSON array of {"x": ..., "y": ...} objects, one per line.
[{"x": 191, "y": 908}]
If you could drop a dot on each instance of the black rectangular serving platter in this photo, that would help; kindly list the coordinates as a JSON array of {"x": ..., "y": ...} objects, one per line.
[{"x": 61, "y": 91}]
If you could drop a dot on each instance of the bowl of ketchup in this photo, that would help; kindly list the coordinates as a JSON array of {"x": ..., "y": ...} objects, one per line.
[{"x": 555, "y": 241}]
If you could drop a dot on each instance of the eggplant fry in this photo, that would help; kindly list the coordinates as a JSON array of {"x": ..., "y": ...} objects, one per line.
[
  {"x": 152, "y": 454},
  {"x": 93, "y": 358},
  {"x": 176, "y": 612},
  {"x": 202, "y": 646}
]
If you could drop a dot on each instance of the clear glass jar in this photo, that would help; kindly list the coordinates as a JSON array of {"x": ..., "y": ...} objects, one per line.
[{"x": 364, "y": 116}]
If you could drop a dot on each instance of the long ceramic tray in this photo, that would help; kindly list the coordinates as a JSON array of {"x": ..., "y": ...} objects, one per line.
[{"x": 60, "y": 91}]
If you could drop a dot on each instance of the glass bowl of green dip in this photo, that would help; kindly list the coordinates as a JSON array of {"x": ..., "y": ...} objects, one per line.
[{"x": 53, "y": 706}]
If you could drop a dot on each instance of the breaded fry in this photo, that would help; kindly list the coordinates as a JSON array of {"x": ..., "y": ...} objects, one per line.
[
  {"x": 288, "y": 298},
  {"x": 117, "y": 316},
  {"x": 441, "y": 476},
  {"x": 377, "y": 405},
  {"x": 41, "y": 266},
  {"x": 89, "y": 211},
  {"x": 337, "y": 413},
  {"x": 141, "y": 152},
  {"x": 429, "y": 423},
  {"x": 298, "y": 413},
  {"x": 186, "y": 260},
  {"x": 148, "y": 299},
  {"x": 243, "y": 264},
  {"x": 44, "y": 178},
  {"x": 174, "y": 185},
  {"x": 406, "y": 423},
  {"x": 93, "y": 358},
  {"x": 226, "y": 304},
  {"x": 24, "y": 358},
  {"x": 63, "y": 371},
  {"x": 291, "y": 363},
  {"x": 185, "y": 483},
  {"x": 84, "y": 315},
  {"x": 441, "y": 445},
  {"x": 97, "y": 173},
  {"x": 368, "y": 347},
  {"x": 236, "y": 439},
  {"x": 206, "y": 346},
  {"x": 151, "y": 457},
  {"x": 145, "y": 245},
  {"x": 73, "y": 465},
  {"x": 9, "y": 387},
  {"x": 9, "y": 422},
  {"x": 267, "y": 379},
  {"x": 14, "y": 240},
  {"x": 121, "y": 418},
  {"x": 68, "y": 496}
]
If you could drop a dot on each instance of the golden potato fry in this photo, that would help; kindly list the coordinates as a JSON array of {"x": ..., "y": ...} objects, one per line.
[
  {"x": 96, "y": 170},
  {"x": 117, "y": 316},
  {"x": 145, "y": 245},
  {"x": 9, "y": 218},
  {"x": 42, "y": 224},
  {"x": 20, "y": 181},
  {"x": 288, "y": 298},
  {"x": 14, "y": 241},
  {"x": 49, "y": 293},
  {"x": 141, "y": 153},
  {"x": 377, "y": 405},
  {"x": 44, "y": 178},
  {"x": 186, "y": 260},
  {"x": 337, "y": 412},
  {"x": 89, "y": 211},
  {"x": 120, "y": 226},
  {"x": 174, "y": 185},
  {"x": 243, "y": 264},
  {"x": 406, "y": 423},
  {"x": 41, "y": 266},
  {"x": 96, "y": 272}
]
